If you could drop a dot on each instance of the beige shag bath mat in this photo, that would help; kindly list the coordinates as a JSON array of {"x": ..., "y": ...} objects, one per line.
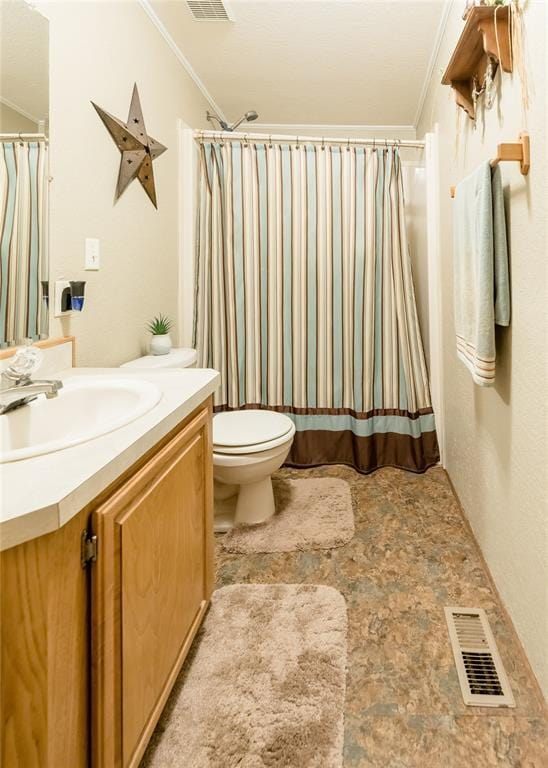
[
  {"x": 314, "y": 513},
  {"x": 265, "y": 687}
]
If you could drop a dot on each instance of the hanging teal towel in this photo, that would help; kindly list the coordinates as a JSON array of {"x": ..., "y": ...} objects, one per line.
[{"x": 481, "y": 283}]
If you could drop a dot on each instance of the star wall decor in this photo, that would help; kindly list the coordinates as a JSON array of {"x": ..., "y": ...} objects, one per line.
[{"x": 138, "y": 150}]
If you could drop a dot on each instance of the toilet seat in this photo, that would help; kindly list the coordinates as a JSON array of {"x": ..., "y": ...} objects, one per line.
[{"x": 250, "y": 431}]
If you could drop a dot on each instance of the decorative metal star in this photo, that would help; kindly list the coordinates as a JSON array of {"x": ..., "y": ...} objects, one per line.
[{"x": 137, "y": 148}]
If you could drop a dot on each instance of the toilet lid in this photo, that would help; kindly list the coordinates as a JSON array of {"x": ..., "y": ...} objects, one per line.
[
  {"x": 237, "y": 428},
  {"x": 181, "y": 357}
]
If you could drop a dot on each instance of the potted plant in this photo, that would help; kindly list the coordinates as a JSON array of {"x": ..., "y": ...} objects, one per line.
[{"x": 159, "y": 327}]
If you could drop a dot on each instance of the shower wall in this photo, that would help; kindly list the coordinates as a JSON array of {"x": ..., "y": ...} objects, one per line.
[{"x": 414, "y": 189}]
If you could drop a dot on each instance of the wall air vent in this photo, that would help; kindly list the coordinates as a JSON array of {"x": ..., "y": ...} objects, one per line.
[
  {"x": 482, "y": 677},
  {"x": 210, "y": 10}
]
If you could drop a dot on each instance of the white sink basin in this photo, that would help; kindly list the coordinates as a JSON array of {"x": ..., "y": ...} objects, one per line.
[{"x": 86, "y": 407}]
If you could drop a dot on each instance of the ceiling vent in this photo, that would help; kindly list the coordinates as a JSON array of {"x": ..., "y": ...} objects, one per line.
[
  {"x": 210, "y": 10},
  {"x": 482, "y": 677}
]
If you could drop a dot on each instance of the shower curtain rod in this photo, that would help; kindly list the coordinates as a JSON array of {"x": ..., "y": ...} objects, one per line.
[
  {"x": 23, "y": 137},
  {"x": 278, "y": 138}
]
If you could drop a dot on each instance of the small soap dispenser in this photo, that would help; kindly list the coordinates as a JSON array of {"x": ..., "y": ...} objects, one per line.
[{"x": 69, "y": 297}]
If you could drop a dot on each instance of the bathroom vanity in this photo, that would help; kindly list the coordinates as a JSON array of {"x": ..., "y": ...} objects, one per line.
[{"x": 107, "y": 570}]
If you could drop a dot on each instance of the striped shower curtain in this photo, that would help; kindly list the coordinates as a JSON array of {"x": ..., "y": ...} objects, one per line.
[
  {"x": 305, "y": 299},
  {"x": 23, "y": 241}
]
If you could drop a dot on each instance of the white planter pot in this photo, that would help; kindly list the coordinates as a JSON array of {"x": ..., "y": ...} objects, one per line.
[{"x": 160, "y": 345}]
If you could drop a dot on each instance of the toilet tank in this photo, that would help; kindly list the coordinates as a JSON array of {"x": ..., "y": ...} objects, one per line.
[{"x": 181, "y": 357}]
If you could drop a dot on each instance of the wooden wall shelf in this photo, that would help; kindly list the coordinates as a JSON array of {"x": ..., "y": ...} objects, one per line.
[{"x": 478, "y": 40}]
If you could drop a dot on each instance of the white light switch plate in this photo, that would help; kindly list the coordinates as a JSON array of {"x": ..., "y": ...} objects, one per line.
[{"x": 93, "y": 255}]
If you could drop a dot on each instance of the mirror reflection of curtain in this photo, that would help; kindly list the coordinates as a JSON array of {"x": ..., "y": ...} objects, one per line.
[
  {"x": 305, "y": 299},
  {"x": 23, "y": 240}
]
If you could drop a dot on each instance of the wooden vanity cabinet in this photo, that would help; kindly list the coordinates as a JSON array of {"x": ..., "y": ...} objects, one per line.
[
  {"x": 89, "y": 655},
  {"x": 150, "y": 588}
]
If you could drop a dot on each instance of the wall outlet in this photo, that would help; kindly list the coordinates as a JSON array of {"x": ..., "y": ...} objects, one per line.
[{"x": 93, "y": 254}]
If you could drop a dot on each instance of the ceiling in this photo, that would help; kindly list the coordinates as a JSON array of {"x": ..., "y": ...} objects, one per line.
[
  {"x": 24, "y": 82},
  {"x": 337, "y": 62}
]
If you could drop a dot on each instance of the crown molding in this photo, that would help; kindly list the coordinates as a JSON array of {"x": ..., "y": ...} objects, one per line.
[
  {"x": 19, "y": 110},
  {"x": 185, "y": 63},
  {"x": 433, "y": 58}
]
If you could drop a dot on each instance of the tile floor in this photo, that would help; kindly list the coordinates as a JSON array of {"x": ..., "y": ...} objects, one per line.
[{"x": 411, "y": 555}]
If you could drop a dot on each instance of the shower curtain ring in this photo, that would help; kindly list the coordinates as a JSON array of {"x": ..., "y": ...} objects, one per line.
[
  {"x": 348, "y": 145},
  {"x": 323, "y": 143},
  {"x": 270, "y": 142}
]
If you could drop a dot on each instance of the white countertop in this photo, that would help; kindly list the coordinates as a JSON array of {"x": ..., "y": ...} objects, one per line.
[{"x": 41, "y": 494}]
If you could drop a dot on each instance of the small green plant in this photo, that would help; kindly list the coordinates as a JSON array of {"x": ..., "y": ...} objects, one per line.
[{"x": 160, "y": 325}]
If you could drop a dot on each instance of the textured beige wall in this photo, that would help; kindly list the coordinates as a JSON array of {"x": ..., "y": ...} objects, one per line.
[
  {"x": 97, "y": 51},
  {"x": 497, "y": 453}
]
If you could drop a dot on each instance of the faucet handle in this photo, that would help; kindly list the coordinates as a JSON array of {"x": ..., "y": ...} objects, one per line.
[{"x": 25, "y": 362}]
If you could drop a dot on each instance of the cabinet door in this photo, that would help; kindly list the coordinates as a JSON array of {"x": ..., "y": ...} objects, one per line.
[{"x": 151, "y": 584}]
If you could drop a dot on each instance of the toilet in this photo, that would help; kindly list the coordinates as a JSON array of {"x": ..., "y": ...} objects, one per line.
[
  {"x": 248, "y": 447},
  {"x": 180, "y": 357}
]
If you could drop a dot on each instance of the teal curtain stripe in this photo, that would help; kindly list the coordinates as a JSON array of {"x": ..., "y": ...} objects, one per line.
[
  {"x": 379, "y": 223},
  {"x": 366, "y": 427},
  {"x": 336, "y": 250},
  {"x": 311, "y": 274},
  {"x": 33, "y": 278},
  {"x": 263, "y": 245},
  {"x": 359, "y": 278},
  {"x": 7, "y": 231},
  {"x": 237, "y": 212}
]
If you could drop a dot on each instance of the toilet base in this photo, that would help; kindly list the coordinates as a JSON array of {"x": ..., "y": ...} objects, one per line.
[
  {"x": 255, "y": 503},
  {"x": 252, "y": 504}
]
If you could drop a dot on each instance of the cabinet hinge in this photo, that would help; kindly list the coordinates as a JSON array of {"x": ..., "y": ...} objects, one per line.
[{"x": 88, "y": 548}]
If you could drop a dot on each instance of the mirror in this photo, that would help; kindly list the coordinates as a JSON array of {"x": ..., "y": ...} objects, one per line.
[{"x": 24, "y": 174}]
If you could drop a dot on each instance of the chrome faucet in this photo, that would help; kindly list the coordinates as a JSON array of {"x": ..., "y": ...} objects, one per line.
[{"x": 16, "y": 386}]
